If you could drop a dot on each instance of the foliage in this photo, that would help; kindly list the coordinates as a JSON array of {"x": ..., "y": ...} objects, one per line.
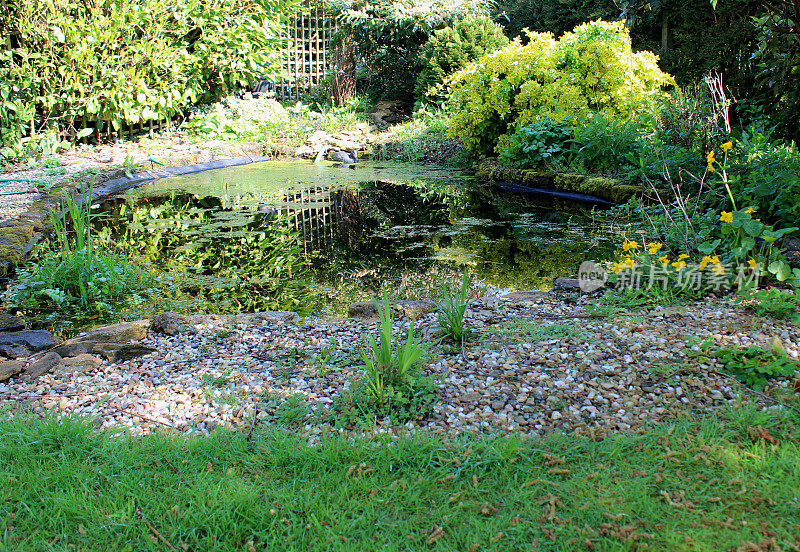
[
  {"x": 450, "y": 312},
  {"x": 554, "y": 17},
  {"x": 389, "y": 35},
  {"x": 83, "y": 277},
  {"x": 540, "y": 144},
  {"x": 112, "y": 63},
  {"x": 266, "y": 120},
  {"x": 615, "y": 301},
  {"x": 293, "y": 410},
  {"x": 277, "y": 487},
  {"x": 423, "y": 139},
  {"x": 451, "y": 49},
  {"x": 606, "y": 144},
  {"x": 591, "y": 69},
  {"x": 389, "y": 365},
  {"x": 754, "y": 366},
  {"x": 772, "y": 302},
  {"x": 745, "y": 238}
]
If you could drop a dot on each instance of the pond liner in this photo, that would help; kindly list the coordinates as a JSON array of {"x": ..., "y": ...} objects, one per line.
[
  {"x": 574, "y": 196},
  {"x": 18, "y": 238}
]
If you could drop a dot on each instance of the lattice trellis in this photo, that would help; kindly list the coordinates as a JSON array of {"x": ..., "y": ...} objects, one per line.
[{"x": 307, "y": 56}]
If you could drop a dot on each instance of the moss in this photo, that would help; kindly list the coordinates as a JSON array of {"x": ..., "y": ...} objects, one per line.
[
  {"x": 13, "y": 240},
  {"x": 610, "y": 189},
  {"x": 570, "y": 182}
]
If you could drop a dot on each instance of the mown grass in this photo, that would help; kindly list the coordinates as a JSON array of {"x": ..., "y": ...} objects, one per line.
[{"x": 713, "y": 485}]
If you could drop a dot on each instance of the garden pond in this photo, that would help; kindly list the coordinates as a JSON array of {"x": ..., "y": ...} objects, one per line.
[{"x": 316, "y": 237}]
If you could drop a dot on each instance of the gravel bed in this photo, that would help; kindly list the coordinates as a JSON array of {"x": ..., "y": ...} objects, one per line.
[{"x": 605, "y": 375}]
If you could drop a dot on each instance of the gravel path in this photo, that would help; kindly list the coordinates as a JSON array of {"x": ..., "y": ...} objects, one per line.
[{"x": 586, "y": 375}]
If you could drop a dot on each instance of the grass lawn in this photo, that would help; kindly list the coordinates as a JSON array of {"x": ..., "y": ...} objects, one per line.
[{"x": 731, "y": 483}]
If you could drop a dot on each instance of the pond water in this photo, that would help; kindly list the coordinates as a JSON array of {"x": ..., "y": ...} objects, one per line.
[{"x": 315, "y": 237}]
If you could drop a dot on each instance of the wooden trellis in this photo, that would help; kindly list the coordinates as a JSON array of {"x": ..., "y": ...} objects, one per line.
[{"x": 309, "y": 32}]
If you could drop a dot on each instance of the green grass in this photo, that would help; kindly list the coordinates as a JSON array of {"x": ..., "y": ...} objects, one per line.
[
  {"x": 696, "y": 486},
  {"x": 529, "y": 331}
]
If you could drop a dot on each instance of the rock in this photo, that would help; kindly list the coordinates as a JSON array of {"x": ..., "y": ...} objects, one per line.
[
  {"x": 73, "y": 348},
  {"x": 10, "y": 368},
  {"x": 80, "y": 364},
  {"x": 566, "y": 284},
  {"x": 10, "y": 323},
  {"x": 120, "y": 352},
  {"x": 259, "y": 318},
  {"x": 12, "y": 344},
  {"x": 414, "y": 309},
  {"x": 172, "y": 323},
  {"x": 116, "y": 333},
  {"x": 42, "y": 365},
  {"x": 364, "y": 309},
  {"x": 343, "y": 157}
]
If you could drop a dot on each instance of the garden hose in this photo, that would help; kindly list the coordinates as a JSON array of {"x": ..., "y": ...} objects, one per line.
[{"x": 7, "y": 181}]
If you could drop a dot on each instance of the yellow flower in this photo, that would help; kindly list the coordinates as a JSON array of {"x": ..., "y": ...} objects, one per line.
[
  {"x": 664, "y": 260},
  {"x": 718, "y": 269},
  {"x": 629, "y": 263},
  {"x": 704, "y": 262},
  {"x": 683, "y": 256},
  {"x": 628, "y": 245},
  {"x": 679, "y": 265},
  {"x": 726, "y": 146},
  {"x": 750, "y": 210},
  {"x": 710, "y": 160},
  {"x": 726, "y": 216},
  {"x": 617, "y": 268},
  {"x": 654, "y": 247},
  {"x": 752, "y": 263}
]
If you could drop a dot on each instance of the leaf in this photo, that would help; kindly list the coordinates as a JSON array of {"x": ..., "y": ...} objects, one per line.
[{"x": 435, "y": 534}]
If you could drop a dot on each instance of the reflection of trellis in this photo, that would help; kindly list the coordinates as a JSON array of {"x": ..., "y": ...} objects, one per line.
[
  {"x": 322, "y": 215},
  {"x": 306, "y": 60}
]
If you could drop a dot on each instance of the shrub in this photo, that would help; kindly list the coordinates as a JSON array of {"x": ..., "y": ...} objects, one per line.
[
  {"x": 452, "y": 48},
  {"x": 111, "y": 63},
  {"x": 591, "y": 69},
  {"x": 451, "y": 311},
  {"x": 542, "y": 143}
]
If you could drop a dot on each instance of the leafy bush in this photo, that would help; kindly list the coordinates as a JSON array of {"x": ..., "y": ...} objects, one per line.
[
  {"x": 388, "y": 35},
  {"x": 772, "y": 302},
  {"x": 606, "y": 144},
  {"x": 543, "y": 143},
  {"x": 110, "y": 63},
  {"x": 452, "y": 48},
  {"x": 591, "y": 69}
]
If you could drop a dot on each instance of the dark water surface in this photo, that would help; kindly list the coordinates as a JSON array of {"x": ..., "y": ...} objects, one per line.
[{"x": 315, "y": 237}]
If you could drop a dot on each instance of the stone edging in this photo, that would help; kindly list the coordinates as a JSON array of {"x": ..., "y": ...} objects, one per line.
[{"x": 18, "y": 236}]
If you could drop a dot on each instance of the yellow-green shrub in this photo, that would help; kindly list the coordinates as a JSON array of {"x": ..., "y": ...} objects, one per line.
[{"x": 591, "y": 69}]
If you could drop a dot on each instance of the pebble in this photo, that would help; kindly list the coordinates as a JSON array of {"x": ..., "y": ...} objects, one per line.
[{"x": 602, "y": 378}]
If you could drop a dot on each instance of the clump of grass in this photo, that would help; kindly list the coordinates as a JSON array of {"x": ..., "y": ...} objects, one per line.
[
  {"x": 79, "y": 274},
  {"x": 698, "y": 484},
  {"x": 529, "y": 331},
  {"x": 451, "y": 310}
]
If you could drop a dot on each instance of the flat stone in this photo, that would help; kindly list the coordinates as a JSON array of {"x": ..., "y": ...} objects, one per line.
[
  {"x": 30, "y": 340},
  {"x": 116, "y": 333},
  {"x": 10, "y": 368},
  {"x": 414, "y": 309},
  {"x": 10, "y": 323},
  {"x": 566, "y": 284},
  {"x": 78, "y": 364},
  {"x": 120, "y": 352},
  {"x": 259, "y": 318},
  {"x": 363, "y": 309},
  {"x": 41, "y": 365}
]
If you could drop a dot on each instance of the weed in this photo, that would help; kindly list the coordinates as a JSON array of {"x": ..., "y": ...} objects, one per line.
[
  {"x": 529, "y": 331},
  {"x": 293, "y": 410},
  {"x": 617, "y": 301},
  {"x": 451, "y": 310},
  {"x": 215, "y": 381},
  {"x": 753, "y": 366},
  {"x": 771, "y": 302},
  {"x": 223, "y": 334}
]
